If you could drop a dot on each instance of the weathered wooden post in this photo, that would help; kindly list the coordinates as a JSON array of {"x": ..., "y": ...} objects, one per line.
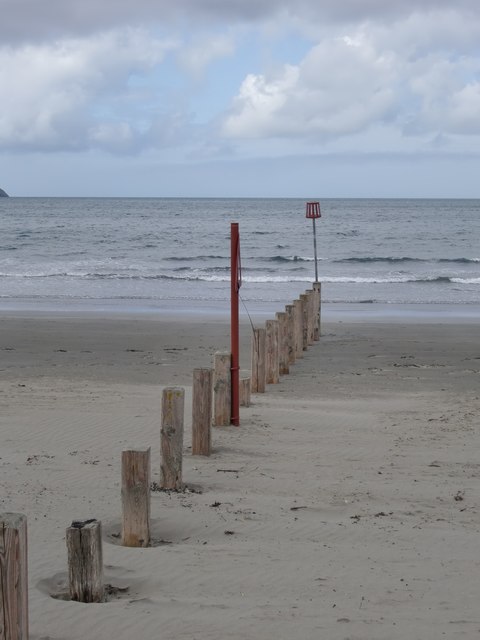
[
  {"x": 283, "y": 365},
  {"x": 311, "y": 315},
  {"x": 289, "y": 309},
  {"x": 245, "y": 387},
  {"x": 304, "y": 299},
  {"x": 271, "y": 352},
  {"x": 136, "y": 497},
  {"x": 85, "y": 561},
  {"x": 317, "y": 287},
  {"x": 171, "y": 439},
  {"x": 258, "y": 361},
  {"x": 13, "y": 577},
  {"x": 202, "y": 412},
  {"x": 298, "y": 327},
  {"x": 222, "y": 389}
]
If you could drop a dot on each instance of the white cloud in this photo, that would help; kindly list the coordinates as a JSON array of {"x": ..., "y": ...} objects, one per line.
[
  {"x": 53, "y": 89},
  {"x": 416, "y": 78},
  {"x": 447, "y": 96},
  {"x": 340, "y": 87},
  {"x": 260, "y": 105}
]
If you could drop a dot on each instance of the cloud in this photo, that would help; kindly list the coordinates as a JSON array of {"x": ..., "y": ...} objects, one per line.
[
  {"x": 79, "y": 79},
  {"x": 447, "y": 93},
  {"x": 417, "y": 77},
  {"x": 464, "y": 110},
  {"x": 74, "y": 93},
  {"x": 196, "y": 56},
  {"x": 340, "y": 87},
  {"x": 25, "y": 20},
  {"x": 34, "y": 20}
]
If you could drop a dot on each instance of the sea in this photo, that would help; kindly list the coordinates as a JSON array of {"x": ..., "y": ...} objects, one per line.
[{"x": 154, "y": 254}]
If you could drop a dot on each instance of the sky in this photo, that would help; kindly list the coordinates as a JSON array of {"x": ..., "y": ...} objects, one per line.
[{"x": 240, "y": 98}]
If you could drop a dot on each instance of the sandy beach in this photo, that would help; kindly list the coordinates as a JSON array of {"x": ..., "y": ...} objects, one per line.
[{"x": 345, "y": 506}]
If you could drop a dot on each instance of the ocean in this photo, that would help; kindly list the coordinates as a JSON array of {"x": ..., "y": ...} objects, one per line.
[{"x": 153, "y": 253}]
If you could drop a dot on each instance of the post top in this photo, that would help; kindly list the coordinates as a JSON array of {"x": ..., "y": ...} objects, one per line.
[
  {"x": 12, "y": 520},
  {"x": 313, "y": 210}
]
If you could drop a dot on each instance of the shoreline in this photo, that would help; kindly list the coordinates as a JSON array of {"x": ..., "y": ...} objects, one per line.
[{"x": 218, "y": 311}]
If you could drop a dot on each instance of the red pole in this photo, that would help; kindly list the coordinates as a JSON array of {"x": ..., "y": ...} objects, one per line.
[{"x": 234, "y": 333}]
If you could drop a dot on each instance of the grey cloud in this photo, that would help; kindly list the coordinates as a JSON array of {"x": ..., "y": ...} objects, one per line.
[
  {"x": 34, "y": 20},
  {"x": 27, "y": 20}
]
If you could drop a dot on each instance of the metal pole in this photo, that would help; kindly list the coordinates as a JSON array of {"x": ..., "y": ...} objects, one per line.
[
  {"x": 234, "y": 331},
  {"x": 315, "y": 249}
]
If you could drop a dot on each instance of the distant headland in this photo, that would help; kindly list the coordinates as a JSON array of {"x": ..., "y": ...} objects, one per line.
[{"x": 3, "y": 194}]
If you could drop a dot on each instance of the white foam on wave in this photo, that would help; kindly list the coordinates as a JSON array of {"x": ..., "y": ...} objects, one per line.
[{"x": 466, "y": 280}]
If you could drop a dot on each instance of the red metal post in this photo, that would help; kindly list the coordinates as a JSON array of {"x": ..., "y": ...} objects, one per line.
[{"x": 234, "y": 330}]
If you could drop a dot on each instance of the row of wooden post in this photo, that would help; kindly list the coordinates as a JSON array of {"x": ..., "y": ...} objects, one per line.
[
  {"x": 84, "y": 538},
  {"x": 86, "y": 585},
  {"x": 282, "y": 341}
]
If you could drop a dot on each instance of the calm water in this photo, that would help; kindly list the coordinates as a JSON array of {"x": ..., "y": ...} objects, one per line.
[{"x": 144, "y": 252}]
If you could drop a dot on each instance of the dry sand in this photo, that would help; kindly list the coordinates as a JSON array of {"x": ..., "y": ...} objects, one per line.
[{"x": 350, "y": 491}]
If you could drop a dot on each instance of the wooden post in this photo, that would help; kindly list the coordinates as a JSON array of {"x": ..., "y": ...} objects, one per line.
[
  {"x": 136, "y": 497},
  {"x": 171, "y": 438},
  {"x": 85, "y": 561},
  {"x": 13, "y": 577},
  {"x": 202, "y": 412},
  {"x": 304, "y": 299},
  {"x": 258, "y": 361},
  {"x": 271, "y": 352},
  {"x": 289, "y": 309},
  {"x": 222, "y": 389},
  {"x": 317, "y": 287},
  {"x": 283, "y": 366},
  {"x": 310, "y": 315},
  {"x": 245, "y": 392},
  {"x": 298, "y": 327}
]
